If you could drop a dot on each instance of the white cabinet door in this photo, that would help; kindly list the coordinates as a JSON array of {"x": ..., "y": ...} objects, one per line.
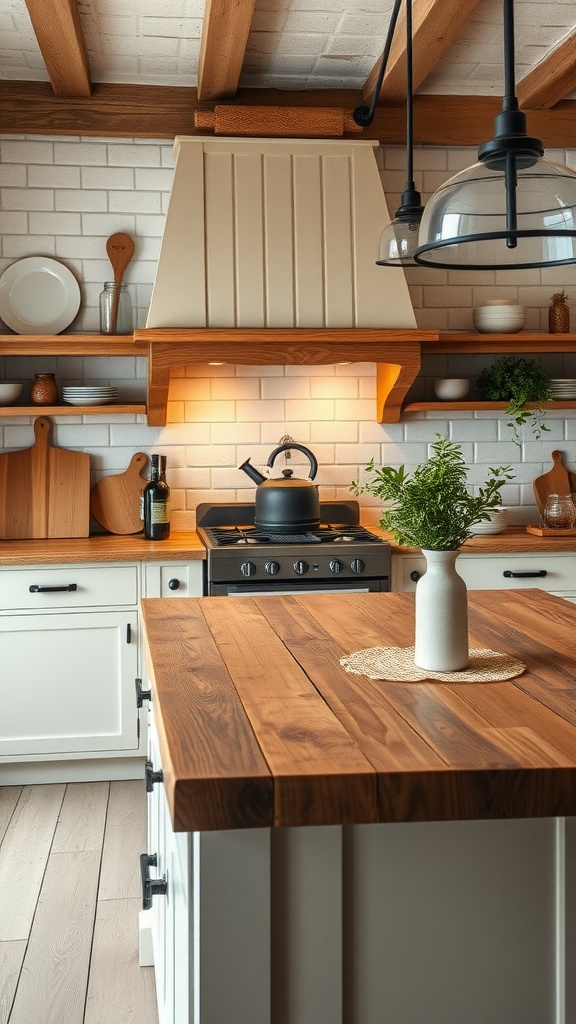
[
  {"x": 68, "y": 682},
  {"x": 173, "y": 579}
]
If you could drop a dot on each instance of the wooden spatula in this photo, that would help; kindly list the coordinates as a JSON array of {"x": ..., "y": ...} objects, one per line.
[
  {"x": 120, "y": 249},
  {"x": 555, "y": 481}
]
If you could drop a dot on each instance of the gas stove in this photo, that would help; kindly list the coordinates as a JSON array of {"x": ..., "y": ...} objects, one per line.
[{"x": 244, "y": 559}]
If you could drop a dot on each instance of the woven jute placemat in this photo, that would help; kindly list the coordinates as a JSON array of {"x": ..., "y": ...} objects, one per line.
[{"x": 396, "y": 665}]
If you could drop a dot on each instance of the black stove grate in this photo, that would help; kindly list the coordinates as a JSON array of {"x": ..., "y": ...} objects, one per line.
[{"x": 222, "y": 536}]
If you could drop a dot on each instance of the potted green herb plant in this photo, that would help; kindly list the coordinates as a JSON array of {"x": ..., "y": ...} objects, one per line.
[
  {"x": 518, "y": 381},
  {"x": 434, "y": 509}
]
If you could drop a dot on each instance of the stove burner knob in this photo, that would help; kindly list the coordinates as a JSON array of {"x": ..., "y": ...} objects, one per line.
[
  {"x": 248, "y": 569},
  {"x": 301, "y": 567},
  {"x": 357, "y": 565},
  {"x": 272, "y": 568},
  {"x": 335, "y": 565}
]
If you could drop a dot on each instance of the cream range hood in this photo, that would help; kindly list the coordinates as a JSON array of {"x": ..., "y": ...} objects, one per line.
[{"x": 276, "y": 233}]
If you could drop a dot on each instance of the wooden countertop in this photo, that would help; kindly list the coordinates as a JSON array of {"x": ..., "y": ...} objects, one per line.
[
  {"x": 259, "y": 725},
  {"x": 113, "y": 548},
  {"x": 513, "y": 538},
  {"x": 101, "y": 548}
]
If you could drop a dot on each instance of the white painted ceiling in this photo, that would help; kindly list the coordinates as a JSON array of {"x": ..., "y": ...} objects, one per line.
[{"x": 293, "y": 44}]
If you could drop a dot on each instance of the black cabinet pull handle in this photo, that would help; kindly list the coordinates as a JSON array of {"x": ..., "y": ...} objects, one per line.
[
  {"x": 537, "y": 574},
  {"x": 174, "y": 584},
  {"x": 141, "y": 695},
  {"x": 128, "y": 633},
  {"x": 152, "y": 776},
  {"x": 150, "y": 886},
  {"x": 415, "y": 576},
  {"x": 37, "y": 588}
]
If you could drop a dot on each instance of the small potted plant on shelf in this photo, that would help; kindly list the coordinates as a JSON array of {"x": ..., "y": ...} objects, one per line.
[
  {"x": 518, "y": 382},
  {"x": 434, "y": 509}
]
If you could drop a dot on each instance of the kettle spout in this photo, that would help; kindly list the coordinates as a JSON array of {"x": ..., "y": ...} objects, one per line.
[{"x": 253, "y": 473}]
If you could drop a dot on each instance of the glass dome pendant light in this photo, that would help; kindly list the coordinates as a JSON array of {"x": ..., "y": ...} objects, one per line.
[
  {"x": 511, "y": 210},
  {"x": 399, "y": 240}
]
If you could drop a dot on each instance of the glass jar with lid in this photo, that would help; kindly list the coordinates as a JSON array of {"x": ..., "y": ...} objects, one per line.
[{"x": 559, "y": 512}]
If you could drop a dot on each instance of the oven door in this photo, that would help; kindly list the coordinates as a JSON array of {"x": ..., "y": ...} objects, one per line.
[{"x": 364, "y": 586}]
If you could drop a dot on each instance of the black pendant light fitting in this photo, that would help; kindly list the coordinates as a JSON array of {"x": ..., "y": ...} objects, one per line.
[
  {"x": 365, "y": 115},
  {"x": 399, "y": 240},
  {"x": 512, "y": 210}
]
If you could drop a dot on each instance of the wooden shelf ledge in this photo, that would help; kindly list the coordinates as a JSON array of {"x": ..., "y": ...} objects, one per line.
[{"x": 397, "y": 353}]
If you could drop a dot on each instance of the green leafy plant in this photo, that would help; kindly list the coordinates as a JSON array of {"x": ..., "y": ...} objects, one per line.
[
  {"x": 432, "y": 508},
  {"x": 518, "y": 381}
]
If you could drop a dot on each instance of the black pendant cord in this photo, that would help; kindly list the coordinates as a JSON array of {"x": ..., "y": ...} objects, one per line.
[
  {"x": 510, "y": 102},
  {"x": 365, "y": 115},
  {"x": 409, "y": 104}
]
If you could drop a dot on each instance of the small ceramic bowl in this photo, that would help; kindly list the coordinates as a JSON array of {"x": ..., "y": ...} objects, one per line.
[
  {"x": 451, "y": 389},
  {"x": 499, "y": 319},
  {"x": 9, "y": 393}
]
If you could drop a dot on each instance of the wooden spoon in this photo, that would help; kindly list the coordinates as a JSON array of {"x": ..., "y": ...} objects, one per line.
[{"x": 120, "y": 249}]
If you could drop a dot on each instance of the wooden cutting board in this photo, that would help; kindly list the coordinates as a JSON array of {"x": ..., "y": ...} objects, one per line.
[
  {"x": 557, "y": 480},
  {"x": 115, "y": 501},
  {"x": 44, "y": 491}
]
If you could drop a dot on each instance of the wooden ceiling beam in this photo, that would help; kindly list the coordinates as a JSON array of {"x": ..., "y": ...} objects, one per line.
[
  {"x": 435, "y": 27},
  {"x": 161, "y": 112},
  {"x": 58, "y": 31},
  {"x": 552, "y": 79},
  {"x": 225, "y": 32}
]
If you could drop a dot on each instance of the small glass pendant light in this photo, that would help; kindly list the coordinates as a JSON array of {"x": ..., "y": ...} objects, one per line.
[
  {"x": 512, "y": 209},
  {"x": 399, "y": 241}
]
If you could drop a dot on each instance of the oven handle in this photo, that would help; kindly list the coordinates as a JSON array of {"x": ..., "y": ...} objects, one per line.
[{"x": 302, "y": 590}]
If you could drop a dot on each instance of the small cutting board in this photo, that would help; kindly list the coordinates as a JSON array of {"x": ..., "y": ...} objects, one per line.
[
  {"x": 44, "y": 491},
  {"x": 115, "y": 501},
  {"x": 556, "y": 481}
]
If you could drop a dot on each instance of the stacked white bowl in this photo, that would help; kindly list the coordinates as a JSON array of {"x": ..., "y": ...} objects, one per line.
[
  {"x": 499, "y": 316},
  {"x": 9, "y": 392},
  {"x": 496, "y": 524}
]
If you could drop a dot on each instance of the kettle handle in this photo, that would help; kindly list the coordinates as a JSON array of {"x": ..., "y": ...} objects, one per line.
[{"x": 299, "y": 448}]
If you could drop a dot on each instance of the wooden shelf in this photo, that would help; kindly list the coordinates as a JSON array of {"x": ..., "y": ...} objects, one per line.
[
  {"x": 71, "y": 410},
  {"x": 396, "y": 352},
  {"x": 478, "y": 405},
  {"x": 69, "y": 345}
]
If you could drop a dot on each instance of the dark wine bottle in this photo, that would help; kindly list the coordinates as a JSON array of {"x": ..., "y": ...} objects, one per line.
[{"x": 157, "y": 502}]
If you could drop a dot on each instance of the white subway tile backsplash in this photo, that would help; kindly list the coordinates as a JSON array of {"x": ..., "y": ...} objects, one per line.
[
  {"x": 63, "y": 196},
  {"x": 297, "y": 430},
  {"x": 314, "y": 409},
  {"x": 198, "y": 412},
  {"x": 241, "y": 433},
  {"x": 335, "y": 431}
]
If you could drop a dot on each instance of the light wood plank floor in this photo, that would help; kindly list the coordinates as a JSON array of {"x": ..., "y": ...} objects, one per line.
[{"x": 69, "y": 901}]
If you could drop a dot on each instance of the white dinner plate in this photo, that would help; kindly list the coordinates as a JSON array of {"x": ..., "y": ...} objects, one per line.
[
  {"x": 90, "y": 391},
  {"x": 38, "y": 295},
  {"x": 90, "y": 401}
]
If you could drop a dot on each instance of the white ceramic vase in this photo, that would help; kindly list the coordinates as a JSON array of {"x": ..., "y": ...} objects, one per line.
[{"x": 441, "y": 615}]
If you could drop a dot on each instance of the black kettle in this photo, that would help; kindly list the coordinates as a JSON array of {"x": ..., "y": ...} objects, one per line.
[{"x": 285, "y": 504}]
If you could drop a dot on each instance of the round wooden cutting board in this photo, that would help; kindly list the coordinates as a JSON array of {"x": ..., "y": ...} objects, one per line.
[{"x": 115, "y": 501}]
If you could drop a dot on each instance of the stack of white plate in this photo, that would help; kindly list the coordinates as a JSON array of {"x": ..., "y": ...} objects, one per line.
[
  {"x": 496, "y": 524},
  {"x": 89, "y": 395},
  {"x": 563, "y": 388}
]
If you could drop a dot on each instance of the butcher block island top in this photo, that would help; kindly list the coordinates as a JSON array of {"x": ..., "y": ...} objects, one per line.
[{"x": 259, "y": 725}]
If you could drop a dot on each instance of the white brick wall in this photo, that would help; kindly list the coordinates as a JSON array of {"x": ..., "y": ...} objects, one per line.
[{"x": 63, "y": 197}]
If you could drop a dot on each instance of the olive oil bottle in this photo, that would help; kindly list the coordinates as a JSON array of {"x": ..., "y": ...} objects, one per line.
[{"x": 157, "y": 502}]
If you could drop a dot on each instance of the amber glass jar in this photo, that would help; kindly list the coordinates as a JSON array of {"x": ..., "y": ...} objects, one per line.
[{"x": 44, "y": 390}]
